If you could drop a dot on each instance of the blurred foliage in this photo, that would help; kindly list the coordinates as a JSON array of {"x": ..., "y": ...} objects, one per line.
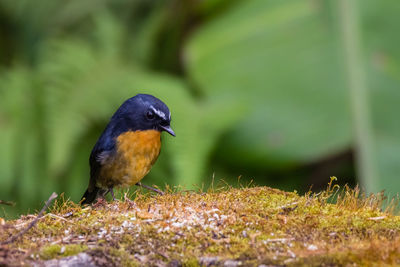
[
  {"x": 255, "y": 85},
  {"x": 285, "y": 60}
]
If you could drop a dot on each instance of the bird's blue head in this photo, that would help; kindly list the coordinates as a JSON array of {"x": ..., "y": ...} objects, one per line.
[{"x": 144, "y": 112}]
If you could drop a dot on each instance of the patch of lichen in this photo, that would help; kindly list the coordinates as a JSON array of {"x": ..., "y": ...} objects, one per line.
[{"x": 257, "y": 225}]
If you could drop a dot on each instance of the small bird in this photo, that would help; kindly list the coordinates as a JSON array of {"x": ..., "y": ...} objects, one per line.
[{"x": 128, "y": 147}]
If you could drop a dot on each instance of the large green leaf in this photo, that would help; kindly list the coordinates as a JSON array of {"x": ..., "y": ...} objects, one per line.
[
  {"x": 285, "y": 59},
  {"x": 379, "y": 28},
  {"x": 280, "y": 57}
]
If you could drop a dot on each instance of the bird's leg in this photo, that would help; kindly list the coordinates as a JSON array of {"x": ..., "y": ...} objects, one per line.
[
  {"x": 150, "y": 188},
  {"x": 111, "y": 190},
  {"x": 102, "y": 193}
]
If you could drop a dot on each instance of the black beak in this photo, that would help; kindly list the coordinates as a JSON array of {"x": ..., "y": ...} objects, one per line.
[{"x": 168, "y": 129}]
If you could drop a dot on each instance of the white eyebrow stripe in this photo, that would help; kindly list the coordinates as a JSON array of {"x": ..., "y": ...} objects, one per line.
[{"x": 159, "y": 113}]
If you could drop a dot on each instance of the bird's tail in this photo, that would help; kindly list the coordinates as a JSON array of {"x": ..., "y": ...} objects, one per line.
[{"x": 90, "y": 196}]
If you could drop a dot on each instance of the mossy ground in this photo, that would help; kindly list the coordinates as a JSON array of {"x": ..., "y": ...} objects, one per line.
[{"x": 248, "y": 226}]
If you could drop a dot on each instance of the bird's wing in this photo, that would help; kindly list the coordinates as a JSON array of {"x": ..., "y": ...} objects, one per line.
[{"x": 100, "y": 155}]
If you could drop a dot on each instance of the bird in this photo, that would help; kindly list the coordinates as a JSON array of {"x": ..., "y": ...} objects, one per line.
[{"x": 128, "y": 147}]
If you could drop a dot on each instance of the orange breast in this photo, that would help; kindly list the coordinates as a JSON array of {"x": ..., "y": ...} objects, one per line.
[{"x": 136, "y": 153}]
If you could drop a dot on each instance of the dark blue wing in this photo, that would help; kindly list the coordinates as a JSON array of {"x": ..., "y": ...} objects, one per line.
[
  {"x": 105, "y": 146},
  {"x": 103, "y": 151}
]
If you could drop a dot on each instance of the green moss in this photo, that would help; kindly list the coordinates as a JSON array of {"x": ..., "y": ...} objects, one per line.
[
  {"x": 120, "y": 257},
  {"x": 191, "y": 262},
  {"x": 55, "y": 251},
  {"x": 258, "y": 225}
]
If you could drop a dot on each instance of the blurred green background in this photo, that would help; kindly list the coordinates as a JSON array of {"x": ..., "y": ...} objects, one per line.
[{"x": 284, "y": 93}]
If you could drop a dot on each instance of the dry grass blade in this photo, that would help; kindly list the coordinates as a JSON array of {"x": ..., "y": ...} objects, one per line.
[
  {"x": 8, "y": 203},
  {"x": 46, "y": 205}
]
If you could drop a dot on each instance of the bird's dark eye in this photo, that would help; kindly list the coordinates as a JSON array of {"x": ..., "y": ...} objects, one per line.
[{"x": 150, "y": 114}]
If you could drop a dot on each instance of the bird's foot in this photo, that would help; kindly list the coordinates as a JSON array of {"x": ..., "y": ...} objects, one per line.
[
  {"x": 111, "y": 190},
  {"x": 100, "y": 202}
]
